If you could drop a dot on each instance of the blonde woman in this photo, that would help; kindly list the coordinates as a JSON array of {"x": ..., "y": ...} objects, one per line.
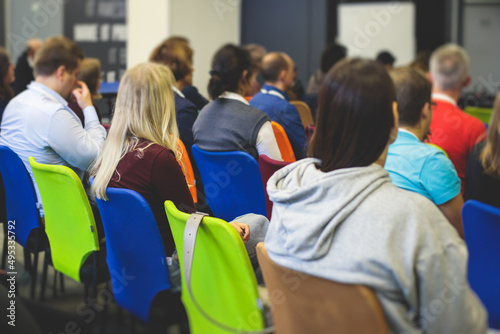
[
  {"x": 482, "y": 176},
  {"x": 140, "y": 151}
]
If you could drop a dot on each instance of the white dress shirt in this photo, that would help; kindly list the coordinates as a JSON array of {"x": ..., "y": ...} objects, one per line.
[{"x": 38, "y": 123}]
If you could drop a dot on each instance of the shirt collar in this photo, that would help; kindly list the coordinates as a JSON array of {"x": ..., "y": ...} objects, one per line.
[
  {"x": 233, "y": 96},
  {"x": 49, "y": 92},
  {"x": 176, "y": 90},
  {"x": 408, "y": 133},
  {"x": 268, "y": 89},
  {"x": 443, "y": 97}
]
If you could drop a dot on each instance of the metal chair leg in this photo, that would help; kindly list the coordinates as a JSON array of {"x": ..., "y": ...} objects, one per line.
[
  {"x": 44, "y": 276},
  {"x": 4, "y": 253},
  {"x": 35, "y": 273}
]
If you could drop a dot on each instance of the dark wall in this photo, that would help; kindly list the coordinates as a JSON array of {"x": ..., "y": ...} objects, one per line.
[{"x": 297, "y": 27}]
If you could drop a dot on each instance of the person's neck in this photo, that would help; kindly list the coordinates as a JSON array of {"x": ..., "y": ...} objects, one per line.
[
  {"x": 454, "y": 94},
  {"x": 381, "y": 159},
  {"x": 49, "y": 82},
  {"x": 278, "y": 84},
  {"x": 180, "y": 85},
  {"x": 417, "y": 131}
]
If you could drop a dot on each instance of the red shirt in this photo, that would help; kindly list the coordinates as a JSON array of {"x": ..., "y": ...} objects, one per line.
[
  {"x": 155, "y": 174},
  {"x": 455, "y": 132}
]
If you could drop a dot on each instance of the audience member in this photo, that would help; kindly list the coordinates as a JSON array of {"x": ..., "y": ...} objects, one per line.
[
  {"x": 413, "y": 165},
  {"x": 331, "y": 55},
  {"x": 229, "y": 123},
  {"x": 176, "y": 57},
  {"x": 25, "y": 64},
  {"x": 278, "y": 71},
  {"x": 387, "y": 59},
  {"x": 421, "y": 62},
  {"x": 482, "y": 176},
  {"x": 90, "y": 73},
  {"x": 38, "y": 122},
  {"x": 7, "y": 76},
  {"x": 140, "y": 152},
  {"x": 257, "y": 52},
  {"x": 190, "y": 92},
  {"x": 338, "y": 216},
  {"x": 452, "y": 129}
]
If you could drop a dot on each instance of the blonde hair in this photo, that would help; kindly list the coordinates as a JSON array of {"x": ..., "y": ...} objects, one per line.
[
  {"x": 144, "y": 109},
  {"x": 490, "y": 156}
]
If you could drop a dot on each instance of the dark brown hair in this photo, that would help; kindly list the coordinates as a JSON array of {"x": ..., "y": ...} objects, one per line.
[
  {"x": 228, "y": 64},
  {"x": 57, "y": 51},
  {"x": 6, "y": 91},
  {"x": 355, "y": 115},
  {"x": 413, "y": 90}
]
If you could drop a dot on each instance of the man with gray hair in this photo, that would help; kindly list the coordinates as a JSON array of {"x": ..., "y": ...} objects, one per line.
[{"x": 451, "y": 128}]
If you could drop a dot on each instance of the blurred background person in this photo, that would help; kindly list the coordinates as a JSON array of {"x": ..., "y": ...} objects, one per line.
[
  {"x": 25, "y": 65},
  {"x": 7, "y": 77},
  {"x": 257, "y": 52},
  {"x": 387, "y": 59}
]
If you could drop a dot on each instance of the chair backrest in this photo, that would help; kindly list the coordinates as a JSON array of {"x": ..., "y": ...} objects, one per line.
[
  {"x": 268, "y": 167},
  {"x": 482, "y": 236},
  {"x": 187, "y": 168},
  {"x": 69, "y": 221},
  {"x": 284, "y": 145},
  {"x": 222, "y": 278},
  {"x": 304, "y": 112},
  {"x": 306, "y": 304},
  {"x": 133, "y": 246},
  {"x": 20, "y": 196},
  {"x": 232, "y": 183}
]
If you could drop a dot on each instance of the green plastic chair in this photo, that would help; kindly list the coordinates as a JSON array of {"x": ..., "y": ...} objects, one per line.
[
  {"x": 222, "y": 279},
  {"x": 483, "y": 114},
  {"x": 69, "y": 223}
]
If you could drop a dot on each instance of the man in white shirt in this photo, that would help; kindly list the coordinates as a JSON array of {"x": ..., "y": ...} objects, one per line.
[{"x": 39, "y": 123}]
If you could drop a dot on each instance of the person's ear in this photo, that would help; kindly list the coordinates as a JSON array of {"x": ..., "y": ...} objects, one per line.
[
  {"x": 429, "y": 76},
  {"x": 466, "y": 82},
  {"x": 60, "y": 72},
  {"x": 244, "y": 77},
  {"x": 425, "y": 113},
  {"x": 282, "y": 75}
]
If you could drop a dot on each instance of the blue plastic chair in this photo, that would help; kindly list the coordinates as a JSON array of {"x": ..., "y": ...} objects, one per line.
[
  {"x": 135, "y": 252},
  {"x": 482, "y": 236},
  {"x": 232, "y": 182},
  {"x": 21, "y": 204}
]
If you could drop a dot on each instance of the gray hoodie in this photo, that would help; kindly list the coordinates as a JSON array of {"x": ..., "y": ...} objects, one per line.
[{"x": 354, "y": 226}]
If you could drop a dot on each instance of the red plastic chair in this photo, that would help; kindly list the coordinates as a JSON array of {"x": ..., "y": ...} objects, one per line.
[{"x": 267, "y": 168}]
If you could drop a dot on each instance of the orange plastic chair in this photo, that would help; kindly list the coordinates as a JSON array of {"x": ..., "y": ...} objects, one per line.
[
  {"x": 187, "y": 168},
  {"x": 283, "y": 143},
  {"x": 304, "y": 113}
]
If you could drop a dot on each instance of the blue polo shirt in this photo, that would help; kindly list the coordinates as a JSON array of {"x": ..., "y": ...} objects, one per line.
[
  {"x": 275, "y": 103},
  {"x": 421, "y": 168}
]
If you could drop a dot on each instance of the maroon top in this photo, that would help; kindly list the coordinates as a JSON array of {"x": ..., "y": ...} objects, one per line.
[{"x": 155, "y": 174}]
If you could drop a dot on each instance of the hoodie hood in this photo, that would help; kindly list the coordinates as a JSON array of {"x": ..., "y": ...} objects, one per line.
[{"x": 311, "y": 205}]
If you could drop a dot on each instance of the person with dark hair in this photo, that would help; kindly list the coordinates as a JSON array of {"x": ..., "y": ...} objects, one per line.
[
  {"x": 387, "y": 59},
  {"x": 7, "y": 77},
  {"x": 451, "y": 128},
  {"x": 482, "y": 175},
  {"x": 414, "y": 165},
  {"x": 25, "y": 64},
  {"x": 338, "y": 216},
  {"x": 229, "y": 123},
  {"x": 38, "y": 122},
  {"x": 278, "y": 71},
  {"x": 330, "y": 56}
]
